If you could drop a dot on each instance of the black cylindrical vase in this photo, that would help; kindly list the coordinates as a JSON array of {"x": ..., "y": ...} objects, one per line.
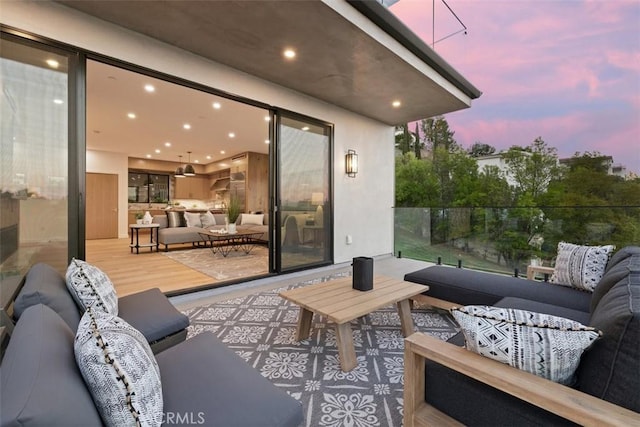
[{"x": 363, "y": 273}]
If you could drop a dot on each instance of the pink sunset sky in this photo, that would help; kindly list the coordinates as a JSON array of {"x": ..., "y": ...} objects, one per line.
[{"x": 567, "y": 71}]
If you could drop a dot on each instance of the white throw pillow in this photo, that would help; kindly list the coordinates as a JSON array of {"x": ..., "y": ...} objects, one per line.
[
  {"x": 252, "y": 219},
  {"x": 119, "y": 369},
  {"x": 544, "y": 345},
  {"x": 207, "y": 219},
  {"x": 193, "y": 219},
  {"x": 90, "y": 287},
  {"x": 580, "y": 267}
]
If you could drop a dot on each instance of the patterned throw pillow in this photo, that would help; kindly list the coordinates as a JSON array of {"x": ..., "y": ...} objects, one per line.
[
  {"x": 207, "y": 219},
  {"x": 176, "y": 219},
  {"x": 544, "y": 345},
  {"x": 91, "y": 287},
  {"x": 119, "y": 369},
  {"x": 580, "y": 267}
]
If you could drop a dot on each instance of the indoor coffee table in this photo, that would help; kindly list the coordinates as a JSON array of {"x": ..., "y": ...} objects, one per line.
[
  {"x": 340, "y": 303},
  {"x": 224, "y": 243}
]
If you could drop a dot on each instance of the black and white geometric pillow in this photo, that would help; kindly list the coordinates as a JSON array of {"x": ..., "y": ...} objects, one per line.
[
  {"x": 580, "y": 267},
  {"x": 91, "y": 287},
  {"x": 119, "y": 369},
  {"x": 544, "y": 345}
]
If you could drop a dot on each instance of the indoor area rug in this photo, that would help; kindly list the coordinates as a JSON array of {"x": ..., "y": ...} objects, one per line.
[
  {"x": 235, "y": 265},
  {"x": 261, "y": 328}
]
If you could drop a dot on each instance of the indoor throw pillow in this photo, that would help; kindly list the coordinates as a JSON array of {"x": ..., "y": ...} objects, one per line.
[
  {"x": 193, "y": 219},
  {"x": 580, "y": 267},
  {"x": 119, "y": 370},
  {"x": 544, "y": 345},
  {"x": 90, "y": 287}
]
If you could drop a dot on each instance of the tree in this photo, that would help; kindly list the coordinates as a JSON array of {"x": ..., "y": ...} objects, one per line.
[
  {"x": 437, "y": 134},
  {"x": 589, "y": 206},
  {"x": 415, "y": 182},
  {"x": 417, "y": 145},
  {"x": 478, "y": 149},
  {"x": 532, "y": 167}
]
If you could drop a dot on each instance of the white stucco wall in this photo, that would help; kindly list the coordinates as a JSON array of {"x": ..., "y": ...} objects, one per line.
[{"x": 362, "y": 205}]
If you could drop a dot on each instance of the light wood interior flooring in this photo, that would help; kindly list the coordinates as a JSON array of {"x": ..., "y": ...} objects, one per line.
[{"x": 131, "y": 272}]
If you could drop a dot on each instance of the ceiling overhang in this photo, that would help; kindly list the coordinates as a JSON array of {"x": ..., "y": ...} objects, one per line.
[{"x": 355, "y": 55}]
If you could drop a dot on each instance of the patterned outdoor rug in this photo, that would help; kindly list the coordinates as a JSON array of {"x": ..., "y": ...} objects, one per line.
[
  {"x": 261, "y": 328},
  {"x": 236, "y": 265}
]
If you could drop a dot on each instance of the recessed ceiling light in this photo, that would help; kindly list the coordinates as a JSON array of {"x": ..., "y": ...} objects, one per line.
[
  {"x": 306, "y": 128},
  {"x": 289, "y": 53},
  {"x": 58, "y": 101},
  {"x": 196, "y": 161},
  {"x": 148, "y": 156},
  {"x": 149, "y": 88},
  {"x": 167, "y": 144},
  {"x": 53, "y": 63},
  {"x": 216, "y": 105},
  {"x": 396, "y": 104},
  {"x": 222, "y": 151},
  {"x": 224, "y": 165},
  {"x": 186, "y": 126},
  {"x": 266, "y": 141},
  {"x": 232, "y": 135},
  {"x": 131, "y": 115},
  {"x": 267, "y": 118},
  {"x": 208, "y": 157},
  {"x": 157, "y": 151}
]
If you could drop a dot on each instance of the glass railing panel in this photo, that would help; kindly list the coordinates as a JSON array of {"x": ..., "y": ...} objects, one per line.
[{"x": 507, "y": 240}]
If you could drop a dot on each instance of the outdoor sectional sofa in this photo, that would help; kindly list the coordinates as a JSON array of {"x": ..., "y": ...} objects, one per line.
[
  {"x": 608, "y": 376},
  {"x": 202, "y": 381}
]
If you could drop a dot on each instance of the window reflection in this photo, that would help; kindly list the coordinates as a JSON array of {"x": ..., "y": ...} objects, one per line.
[
  {"x": 34, "y": 157},
  {"x": 304, "y": 193}
]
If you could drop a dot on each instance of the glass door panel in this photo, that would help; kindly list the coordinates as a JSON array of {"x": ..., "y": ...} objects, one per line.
[
  {"x": 34, "y": 158},
  {"x": 304, "y": 193}
]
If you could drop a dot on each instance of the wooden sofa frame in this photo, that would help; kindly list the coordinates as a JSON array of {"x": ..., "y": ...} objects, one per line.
[{"x": 564, "y": 401}]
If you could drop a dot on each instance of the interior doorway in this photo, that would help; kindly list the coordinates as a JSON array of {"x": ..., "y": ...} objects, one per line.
[{"x": 102, "y": 206}]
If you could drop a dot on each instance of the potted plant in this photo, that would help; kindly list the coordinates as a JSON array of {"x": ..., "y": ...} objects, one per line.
[
  {"x": 139, "y": 217},
  {"x": 233, "y": 212}
]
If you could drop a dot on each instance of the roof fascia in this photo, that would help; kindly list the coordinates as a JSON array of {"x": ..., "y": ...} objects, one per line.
[{"x": 383, "y": 18}]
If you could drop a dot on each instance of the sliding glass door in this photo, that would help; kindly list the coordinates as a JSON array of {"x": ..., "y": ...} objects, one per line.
[
  {"x": 304, "y": 196},
  {"x": 34, "y": 156}
]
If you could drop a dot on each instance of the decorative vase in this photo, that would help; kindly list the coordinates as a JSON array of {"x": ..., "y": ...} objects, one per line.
[
  {"x": 139, "y": 221},
  {"x": 232, "y": 228},
  {"x": 147, "y": 218}
]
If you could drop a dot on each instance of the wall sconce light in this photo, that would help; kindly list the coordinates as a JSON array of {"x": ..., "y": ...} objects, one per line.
[{"x": 351, "y": 163}]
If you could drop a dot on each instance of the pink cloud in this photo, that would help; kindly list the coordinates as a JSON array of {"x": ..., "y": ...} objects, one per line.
[{"x": 568, "y": 71}]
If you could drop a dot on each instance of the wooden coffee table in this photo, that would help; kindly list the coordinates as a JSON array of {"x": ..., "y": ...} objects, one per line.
[{"x": 337, "y": 300}]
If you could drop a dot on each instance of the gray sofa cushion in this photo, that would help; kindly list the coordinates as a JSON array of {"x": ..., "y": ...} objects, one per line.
[
  {"x": 44, "y": 285},
  {"x": 151, "y": 313},
  {"x": 610, "y": 369},
  {"x": 41, "y": 383},
  {"x": 617, "y": 269},
  {"x": 240, "y": 397},
  {"x": 173, "y": 235},
  {"x": 468, "y": 287}
]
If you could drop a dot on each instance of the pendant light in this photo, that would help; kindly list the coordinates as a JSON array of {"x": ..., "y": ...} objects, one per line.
[
  {"x": 188, "y": 169},
  {"x": 180, "y": 171}
]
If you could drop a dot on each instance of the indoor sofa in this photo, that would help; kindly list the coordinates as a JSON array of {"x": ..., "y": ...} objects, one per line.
[
  {"x": 608, "y": 375},
  {"x": 202, "y": 382},
  {"x": 180, "y": 232}
]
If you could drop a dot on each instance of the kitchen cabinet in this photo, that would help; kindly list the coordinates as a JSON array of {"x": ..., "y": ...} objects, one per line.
[{"x": 192, "y": 187}]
